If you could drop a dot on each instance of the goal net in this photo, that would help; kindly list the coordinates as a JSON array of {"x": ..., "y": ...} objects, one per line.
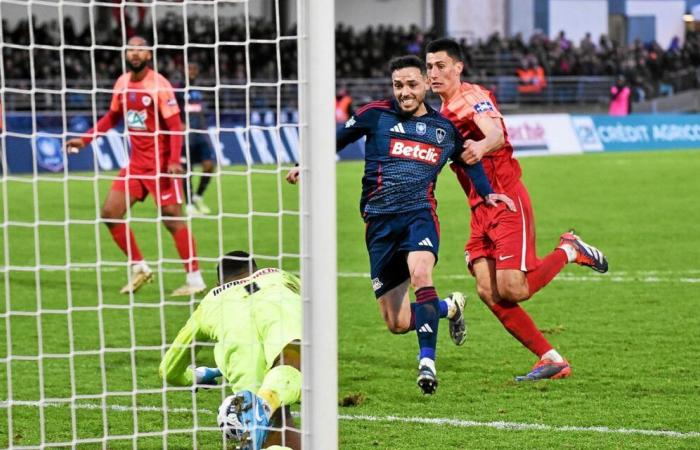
[{"x": 80, "y": 359}]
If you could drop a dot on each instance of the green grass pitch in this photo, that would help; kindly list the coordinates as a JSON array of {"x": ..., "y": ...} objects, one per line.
[{"x": 632, "y": 336}]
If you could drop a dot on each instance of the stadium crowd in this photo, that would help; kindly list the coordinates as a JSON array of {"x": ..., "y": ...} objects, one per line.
[{"x": 650, "y": 68}]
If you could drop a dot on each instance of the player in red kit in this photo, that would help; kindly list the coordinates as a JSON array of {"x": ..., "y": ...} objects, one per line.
[
  {"x": 146, "y": 101},
  {"x": 501, "y": 250}
]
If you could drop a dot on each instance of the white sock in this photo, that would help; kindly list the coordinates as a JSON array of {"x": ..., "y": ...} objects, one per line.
[
  {"x": 140, "y": 266},
  {"x": 195, "y": 278},
  {"x": 553, "y": 355},
  {"x": 570, "y": 251},
  {"x": 428, "y": 362}
]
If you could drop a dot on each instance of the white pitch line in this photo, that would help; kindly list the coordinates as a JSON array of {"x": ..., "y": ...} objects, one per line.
[
  {"x": 642, "y": 277},
  {"x": 461, "y": 423},
  {"x": 517, "y": 426}
]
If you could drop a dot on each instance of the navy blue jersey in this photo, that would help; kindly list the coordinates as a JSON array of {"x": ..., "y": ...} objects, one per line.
[
  {"x": 403, "y": 157},
  {"x": 192, "y": 104}
]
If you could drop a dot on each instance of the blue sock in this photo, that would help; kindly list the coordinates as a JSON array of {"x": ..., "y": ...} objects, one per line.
[
  {"x": 427, "y": 320},
  {"x": 443, "y": 312}
]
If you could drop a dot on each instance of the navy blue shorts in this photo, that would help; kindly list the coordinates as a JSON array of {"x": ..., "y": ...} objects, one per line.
[
  {"x": 390, "y": 237},
  {"x": 200, "y": 147}
]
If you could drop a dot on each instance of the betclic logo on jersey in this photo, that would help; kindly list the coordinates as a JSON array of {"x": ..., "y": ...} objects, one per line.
[{"x": 416, "y": 151}]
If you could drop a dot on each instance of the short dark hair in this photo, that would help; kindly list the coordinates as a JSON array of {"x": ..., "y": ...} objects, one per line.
[
  {"x": 451, "y": 47},
  {"x": 402, "y": 62},
  {"x": 235, "y": 263}
]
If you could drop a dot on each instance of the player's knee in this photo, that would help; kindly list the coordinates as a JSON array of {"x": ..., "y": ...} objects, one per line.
[
  {"x": 513, "y": 291},
  {"x": 422, "y": 277},
  {"x": 107, "y": 214},
  {"x": 397, "y": 326}
]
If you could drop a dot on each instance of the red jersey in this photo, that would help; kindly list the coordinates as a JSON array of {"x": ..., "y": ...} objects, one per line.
[
  {"x": 502, "y": 170},
  {"x": 146, "y": 106}
]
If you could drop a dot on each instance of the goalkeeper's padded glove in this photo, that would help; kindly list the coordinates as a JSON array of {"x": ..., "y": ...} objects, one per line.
[{"x": 206, "y": 376}]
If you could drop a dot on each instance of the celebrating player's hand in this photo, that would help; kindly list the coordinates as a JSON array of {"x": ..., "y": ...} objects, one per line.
[
  {"x": 473, "y": 152},
  {"x": 293, "y": 175},
  {"x": 175, "y": 169},
  {"x": 74, "y": 145},
  {"x": 493, "y": 199}
]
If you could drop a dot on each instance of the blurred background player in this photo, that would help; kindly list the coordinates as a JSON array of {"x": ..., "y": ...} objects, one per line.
[
  {"x": 146, "y": 100},
  {"x": 254, "y": 318},
  {"x": 200, "y": 149},
  {"x": 407, "y": 145},
  {"x": 501, "y": 251}
]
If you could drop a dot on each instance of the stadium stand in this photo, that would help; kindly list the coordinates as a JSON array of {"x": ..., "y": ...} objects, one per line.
[{"x": 580, "y": 73}]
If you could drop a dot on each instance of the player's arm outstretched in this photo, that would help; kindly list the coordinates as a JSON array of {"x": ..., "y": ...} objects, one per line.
[
  {"x": 104, "y": 124},
  {"x": 357, "y": 126},
  {"x": 477, "y": 175},
  {"x": 174, "y": 368},
  {"x": 494, "y": 138}
]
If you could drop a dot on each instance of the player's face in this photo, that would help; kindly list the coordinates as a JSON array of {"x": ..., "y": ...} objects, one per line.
[
  {"x": 443, "y": 72},
  {"x": 193, "y": 70},
  {"x": 137, "y": 54},
  {"x": 410, "y": 87}
]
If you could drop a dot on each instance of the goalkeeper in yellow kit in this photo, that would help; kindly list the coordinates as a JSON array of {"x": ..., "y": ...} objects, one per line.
[{"x": 254, "y": 318}]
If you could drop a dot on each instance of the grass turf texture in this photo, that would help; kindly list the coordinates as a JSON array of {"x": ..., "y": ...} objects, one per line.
[{"x": 631, "y": 336}]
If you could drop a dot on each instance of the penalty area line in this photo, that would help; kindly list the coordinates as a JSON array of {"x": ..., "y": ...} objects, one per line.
[{"x": 517, "y": 426}]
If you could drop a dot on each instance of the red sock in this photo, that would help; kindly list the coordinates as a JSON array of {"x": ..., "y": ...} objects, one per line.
[
  {"x": 119, "y": 234},
  {"x": 549, "y": 267},
  {"x": 186, "y": 248},
  {"x": 518, "y": 323}
]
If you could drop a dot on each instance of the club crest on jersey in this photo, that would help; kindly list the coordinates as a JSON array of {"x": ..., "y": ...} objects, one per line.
[
  {"x": 416, "y": 151},
  {"x": 421, "y": 128},
  {"x": 483, "y": 107},
  {"x": 440, "y": 135},
  {"x": 136, "y": 120},
  {"x": 146, "y": 100}
]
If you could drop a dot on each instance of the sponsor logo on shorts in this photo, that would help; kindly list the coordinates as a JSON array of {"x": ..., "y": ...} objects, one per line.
[
  {"x": 416, "y": 151},
  {"x": 503, "y": 258},
  {"x": 351, "y": 121},
  {"x": 376, "y": 284},
  {"x": 426, "y": 242}
]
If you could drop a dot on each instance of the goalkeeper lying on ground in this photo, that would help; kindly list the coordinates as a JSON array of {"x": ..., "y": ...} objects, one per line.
[{"x": 254, "y": 318}]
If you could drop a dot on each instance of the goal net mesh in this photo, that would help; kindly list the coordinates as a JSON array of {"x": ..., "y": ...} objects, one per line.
[{"x": 80, "y": 360}]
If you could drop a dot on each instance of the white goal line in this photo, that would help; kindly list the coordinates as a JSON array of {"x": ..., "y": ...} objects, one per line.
[{"x": 460, "y": 423}]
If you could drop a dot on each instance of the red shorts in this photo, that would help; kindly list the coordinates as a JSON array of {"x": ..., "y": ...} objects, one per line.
[
  {"x": 165, "y": 189},
  {"x": 502, "y": 235}
]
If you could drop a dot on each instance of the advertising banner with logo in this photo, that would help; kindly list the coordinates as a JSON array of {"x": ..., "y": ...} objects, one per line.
[
  {"x": 542, "y": 134},
  {"x": 638, "y": 132}
]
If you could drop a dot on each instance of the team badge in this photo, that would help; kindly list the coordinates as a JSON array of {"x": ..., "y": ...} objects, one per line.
[
  {"x": 483, "y": 107},
  {"x": 421, "y": 128},
  {"x": 146, "y": 100},
  {"x": 440, "y": 135}
]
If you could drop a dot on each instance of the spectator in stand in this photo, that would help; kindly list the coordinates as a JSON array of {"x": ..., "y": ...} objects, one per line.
[
  {"x": 531, "y": 76},
  {"x": 620, "y": 98},
  {"x": 343, "y": 106}
]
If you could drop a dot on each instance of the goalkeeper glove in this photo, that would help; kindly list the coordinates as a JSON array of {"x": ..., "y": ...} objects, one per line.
[{"x": 206, "y": 376}]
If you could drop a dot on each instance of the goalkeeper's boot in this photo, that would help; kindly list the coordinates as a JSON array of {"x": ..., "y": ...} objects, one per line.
[
  {"x": 427, "y": 380},
  {"x": 458, "y": 327},
  {"x": 194, "y": 285},
  {"x": 586, "y": 255},
  {"x": 140, "y": 275},
  {"x": 547, "y": 369},
  {"x": 254, "y": 413},
  {"x": 202, "y": 207},
  {"x": 191, "y": 209}
]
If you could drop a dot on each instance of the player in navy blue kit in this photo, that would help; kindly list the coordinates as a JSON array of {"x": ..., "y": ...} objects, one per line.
[
  {"x": 200, "y": 148},
  {"x": 408, "y": 143}
]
